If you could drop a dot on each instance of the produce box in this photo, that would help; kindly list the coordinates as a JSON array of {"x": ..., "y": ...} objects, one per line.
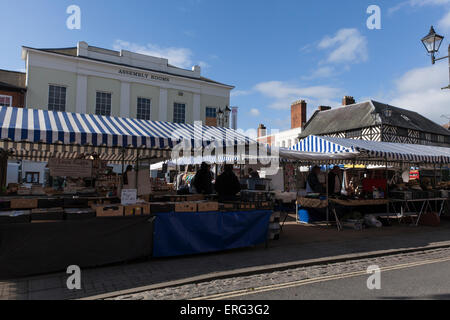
[
  {"x": 137, "y": 209},
  {"x": 24, "y": 203},
  {"x": 229, "y": 206},
  {"x": 186, "y": 207},
  {"x": 162, "y": 207},
  {"x": 207, "y": 206},
  {"x": 110, "y": 210}
]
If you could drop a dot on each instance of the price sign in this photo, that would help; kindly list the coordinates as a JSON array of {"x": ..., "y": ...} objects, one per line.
[{"x": 129, "y": 196}]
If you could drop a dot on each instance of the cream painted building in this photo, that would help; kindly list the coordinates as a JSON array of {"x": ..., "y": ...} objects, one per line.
[{"x": 87, "y": 79}]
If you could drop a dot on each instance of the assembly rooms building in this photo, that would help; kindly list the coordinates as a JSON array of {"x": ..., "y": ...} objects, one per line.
[{"x": 87, "y": 79}]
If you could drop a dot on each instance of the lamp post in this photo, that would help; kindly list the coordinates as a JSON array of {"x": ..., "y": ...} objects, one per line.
[
  {"x": 220, "y": 117},
  {"x": 432, "y": 43},
  {"x": 227, "y": 116}
]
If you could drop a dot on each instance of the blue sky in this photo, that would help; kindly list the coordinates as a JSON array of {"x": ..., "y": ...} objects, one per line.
[{"x": 274, "y": 52}]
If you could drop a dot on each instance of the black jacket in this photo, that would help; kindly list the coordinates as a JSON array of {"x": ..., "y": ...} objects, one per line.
[
  {"x": 227, "y": 184},
  {"x": 203, "y": 182}
]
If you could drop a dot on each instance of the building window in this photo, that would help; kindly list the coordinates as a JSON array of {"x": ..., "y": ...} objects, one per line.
[
  {"x": 355, "y": 134},
  {"x": 211, "y": 112},
  {"x": 179, "y": 113},
  {"x": 32, "y": 177},
  {"x": 57, "y": 98},
  {"x": 103, "y": 104},
  {"x": 143, "y": 108},
  {"x": 5, "y": 101}
]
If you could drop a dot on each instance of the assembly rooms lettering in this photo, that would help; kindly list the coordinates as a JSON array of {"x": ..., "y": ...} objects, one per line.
[{"x": 143, "y": 75}]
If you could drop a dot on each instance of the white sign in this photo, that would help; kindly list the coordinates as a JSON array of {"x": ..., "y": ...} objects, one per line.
[{"x": 129, "y": 196}]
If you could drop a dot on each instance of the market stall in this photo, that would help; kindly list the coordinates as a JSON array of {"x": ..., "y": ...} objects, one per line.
[
  {"x": 78, "y": 149},
  {"x": 385, "y": 192}
]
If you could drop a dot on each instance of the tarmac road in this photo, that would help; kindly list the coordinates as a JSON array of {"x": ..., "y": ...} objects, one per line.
[
  {"x": 425, "y": 281},
  {"x": 417, "y": 275}
]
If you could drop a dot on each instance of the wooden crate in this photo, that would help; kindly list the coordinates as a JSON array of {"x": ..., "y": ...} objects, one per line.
[
  {"x": 24, "y": 203},
  {"x": 137, "y": 209},
  {"x": 186, "y": 207},
  {"x": 207, "y": 206},
  {"x": 109, "y": 210}
]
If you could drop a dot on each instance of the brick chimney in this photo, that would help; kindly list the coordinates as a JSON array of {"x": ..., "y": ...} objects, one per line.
[
  {"x": 348, "y": 100},
  {"x": 324, "y": 108},
  {"x": 262, "y": 131},
  {"x": 298, "y": 114}
]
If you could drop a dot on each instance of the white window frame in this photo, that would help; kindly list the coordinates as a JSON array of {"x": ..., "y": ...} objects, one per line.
[
  {"x": 65, "y": 98},
  {"x": 110, "y": 106},
  {"x": 149, "y": 111},
  {"x": 10, "y": 99},
  {"x": 180, "y": 103}
]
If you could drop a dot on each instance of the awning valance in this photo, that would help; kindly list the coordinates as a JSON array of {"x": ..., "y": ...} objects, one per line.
[
  {"x": 36, "y": 125},
  {"x": 374, "y": 150}
]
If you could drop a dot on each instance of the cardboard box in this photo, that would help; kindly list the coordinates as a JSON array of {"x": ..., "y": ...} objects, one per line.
[
  {"x": 162, "y": 207},
  {"x": 207, "y": 206},
  {"x": 186, "y": 207},
  {"x": 195, "y": 197},
  {"x": 110, "y": 210},
  {"x": 137, "y": 209},
  {"x": 24, "y": 203}
]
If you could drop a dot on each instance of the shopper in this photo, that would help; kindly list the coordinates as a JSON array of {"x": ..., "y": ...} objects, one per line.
[
  {"x": 227, "y": 184},
  {"x": 203, "y": 180}
]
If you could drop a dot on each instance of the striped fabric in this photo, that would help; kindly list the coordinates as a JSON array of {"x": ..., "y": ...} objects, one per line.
[
  {"x": 42, "y": 126},
  {"x": 376, "y": 150}
]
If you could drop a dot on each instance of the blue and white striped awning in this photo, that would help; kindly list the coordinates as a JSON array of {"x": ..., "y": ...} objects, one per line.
[
  {"x": 375, "y": 150},
  {"x": 50, "y": 127}
]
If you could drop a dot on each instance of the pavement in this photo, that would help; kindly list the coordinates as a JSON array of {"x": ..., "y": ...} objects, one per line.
[{"x": 298, "y": 246}]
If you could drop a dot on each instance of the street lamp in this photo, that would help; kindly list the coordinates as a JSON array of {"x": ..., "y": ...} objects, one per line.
[
  {"x": 432, "y": 43},
  {"x": 220, "y": 116},
  {"x": 227, "y": 115}
]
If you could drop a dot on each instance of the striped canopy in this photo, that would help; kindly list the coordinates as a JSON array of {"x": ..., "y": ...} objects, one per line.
[
  {"x": 374, "y": 150},
  {"x": 43, "y": 128}
]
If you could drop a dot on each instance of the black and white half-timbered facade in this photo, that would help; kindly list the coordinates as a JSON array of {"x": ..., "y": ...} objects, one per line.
[{"x": 375, "y": 121}]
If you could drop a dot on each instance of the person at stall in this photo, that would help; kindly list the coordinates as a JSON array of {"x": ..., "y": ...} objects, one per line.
[
  {"x": 313, "y": 184},
  {"x": 227, "y": 184},
  {"x": 203, "y": 179},
  {"x": 334, "y": 181},
  {"x": 253, "y": 174},
  {"x": 128, "y": 170}
]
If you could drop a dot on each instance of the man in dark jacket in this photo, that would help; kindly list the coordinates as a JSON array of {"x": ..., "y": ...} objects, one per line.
[
  {"x": 313, "y": 184},
  {"x": 227, "y": 184},
  {"x": 203, "y": 180},
  {"x": 334, "y": 181}
]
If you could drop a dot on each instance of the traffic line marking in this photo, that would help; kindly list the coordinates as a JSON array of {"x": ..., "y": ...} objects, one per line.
[{"x": 243, "y": 292}]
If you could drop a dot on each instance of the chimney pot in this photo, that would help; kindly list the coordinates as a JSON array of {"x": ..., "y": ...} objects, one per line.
[
  {"x": 298, "y": 114},
  {"x": 262, "y": 130},
  {"x": 324, "y": 108},
  {"x": 348, "y": 100}
]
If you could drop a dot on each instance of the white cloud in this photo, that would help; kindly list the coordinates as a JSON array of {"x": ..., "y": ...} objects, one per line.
[
  {"x": 420, "y": 90},
  {"x": 444, "y": 23},
  {"x": 348, "y": 46},
  {"x": 255, "y": 112},
  {"x": 321, "y": 72},
  {"x": 180, "y": 57},
  {"x": 283, "y": 94},
  {"x": 418, "y": 3},
  {"x": 240, "y": 93}
]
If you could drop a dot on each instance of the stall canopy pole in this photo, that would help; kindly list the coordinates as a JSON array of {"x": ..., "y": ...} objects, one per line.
[{"x": 123, "y": 167}]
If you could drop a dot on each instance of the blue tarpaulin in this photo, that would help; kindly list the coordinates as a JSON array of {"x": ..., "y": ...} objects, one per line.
[{"x": 189, "y": 233}]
